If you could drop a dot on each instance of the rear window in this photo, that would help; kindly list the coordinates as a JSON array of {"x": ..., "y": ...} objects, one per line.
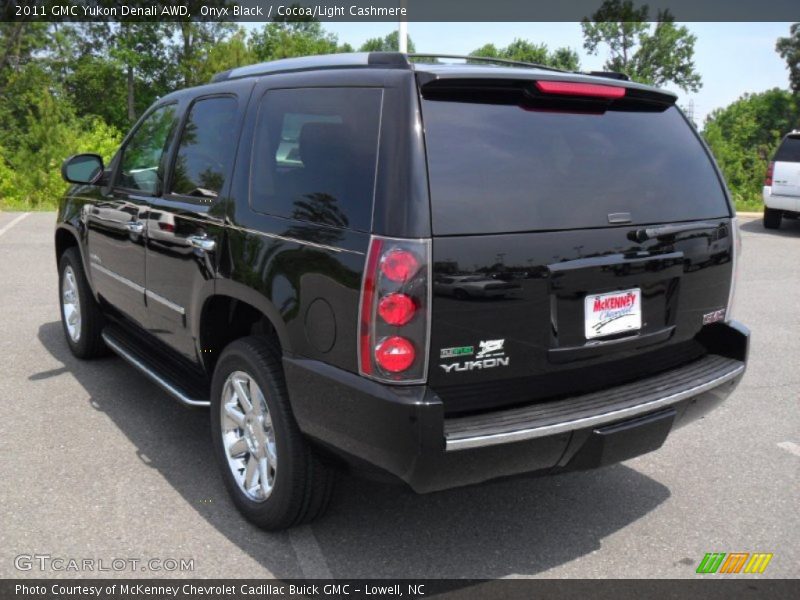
[
  {"x": 497, "y": 168},
  {"x": 789, "y": 150}
]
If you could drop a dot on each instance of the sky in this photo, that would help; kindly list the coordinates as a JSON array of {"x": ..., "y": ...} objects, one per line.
[{"x": 732, "y": 58}]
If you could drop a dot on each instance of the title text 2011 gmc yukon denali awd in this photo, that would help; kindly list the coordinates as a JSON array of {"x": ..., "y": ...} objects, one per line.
[{"x": 446, "y": 273}]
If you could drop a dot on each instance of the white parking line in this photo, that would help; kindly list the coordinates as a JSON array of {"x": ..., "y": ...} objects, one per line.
[
  {"x": 309, "y": 554},
  {"x": 14, "y": 222},
  {"x": 790, "y": 447}
]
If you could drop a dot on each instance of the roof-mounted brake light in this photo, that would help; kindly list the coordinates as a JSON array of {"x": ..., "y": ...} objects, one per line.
[{"x": 586, "y": 90}]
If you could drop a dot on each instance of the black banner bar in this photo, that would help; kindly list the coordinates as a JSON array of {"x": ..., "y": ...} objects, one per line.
[
  {"x": 385, "y": 10},
  {"x": 705, "y": 587}
]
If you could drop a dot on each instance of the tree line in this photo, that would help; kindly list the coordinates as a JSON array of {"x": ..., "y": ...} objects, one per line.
[{"x": 78, "y": 87}]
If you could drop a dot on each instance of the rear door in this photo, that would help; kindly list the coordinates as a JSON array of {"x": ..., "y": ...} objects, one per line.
[
  {"x": 554, "y": 196},
  {"x": 786, "y": 172},
  {"x": 184, "y": 225}
]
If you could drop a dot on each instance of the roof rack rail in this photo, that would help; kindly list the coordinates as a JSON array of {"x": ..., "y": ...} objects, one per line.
[
  {"x": 386, "y": 60},
  {"x": 488, "y": 59},
  {"x": 610, "y": 75}
]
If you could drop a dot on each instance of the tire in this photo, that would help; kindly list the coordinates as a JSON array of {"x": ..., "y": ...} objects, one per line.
[
  {"x": 772, "y": 218},
  {"x": 298, "y": 485},
  {"x": 81, "y": 316},
  {"x": 460, "y": 294}
]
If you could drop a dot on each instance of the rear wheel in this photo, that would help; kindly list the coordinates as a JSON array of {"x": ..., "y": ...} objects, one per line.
[
  {"x": 772, "y": 218},
  {"x": 80, "y": 314},
  {"x": 270, "y": 470}
]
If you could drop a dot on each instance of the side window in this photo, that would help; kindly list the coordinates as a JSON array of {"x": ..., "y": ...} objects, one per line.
[
  {"x": 141, "y": 167},
  {"x": 206, "y": 148},
  {"x": 314, "y": 155}
]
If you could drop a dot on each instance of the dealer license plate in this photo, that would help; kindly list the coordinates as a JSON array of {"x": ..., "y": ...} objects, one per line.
[{"x": 615, "y": 312}]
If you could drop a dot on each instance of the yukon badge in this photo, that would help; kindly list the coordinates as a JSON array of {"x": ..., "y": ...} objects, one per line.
[{"x": 490, "y": 355}]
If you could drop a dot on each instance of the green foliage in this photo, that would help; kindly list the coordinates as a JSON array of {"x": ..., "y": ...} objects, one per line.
[
  {"x": 656, "y": 54},
  {"x": 30, "y": 175},
  {"x": 789, "y": 49},
  {"x": 389, "y": 43},
  {"x": 525, "y": 51},
  {"x": 69, "y": 88},
  {"x": 288, "y": 39},
  {"x": 743, "y": 137},
  {"x": 227, "y": 54}
]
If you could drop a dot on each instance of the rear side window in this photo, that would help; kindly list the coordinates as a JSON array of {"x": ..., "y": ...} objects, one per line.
[
  {"x": 314, "y": 155},
  {"x": 789, "y": 150},
  {"x": 206, "y": 149},
  {"x": 141, "y": 165},
  {"x": 498, "y": 168}
]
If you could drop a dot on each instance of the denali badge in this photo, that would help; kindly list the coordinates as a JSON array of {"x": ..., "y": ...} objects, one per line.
[
  {"x": 489, "y": 356},
  {"x": 491, "y": 348}
]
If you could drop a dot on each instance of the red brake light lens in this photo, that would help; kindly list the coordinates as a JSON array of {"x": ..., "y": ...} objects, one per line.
[
  {"x": 367, "y": 299},
  {"x": 397, "y": 309},
  {"x": 395, "y": 354},
  {"x": 399, "y": 265},
  {"x": 394, "y": 310},
  {"x": 588, "y": 90},
  {"x": 768, "y": 177}
]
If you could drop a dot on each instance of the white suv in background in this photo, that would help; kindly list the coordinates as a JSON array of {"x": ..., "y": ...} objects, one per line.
[{"x": 782, "y": 183}]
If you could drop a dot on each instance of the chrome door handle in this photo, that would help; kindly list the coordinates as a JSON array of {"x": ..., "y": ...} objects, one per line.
[
  {"x": 202, "y": 242},
  {"x": 134, "y": 226}
]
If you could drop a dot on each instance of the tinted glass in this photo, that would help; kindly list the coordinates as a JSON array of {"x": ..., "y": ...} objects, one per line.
[
  {"x": 500, "y": 168},
  {"x": 206, "y": 148},
  {"x": 789, "y": 150},
  {"x": 141, "y": 167},
  {"x": 314, "y": 155}
]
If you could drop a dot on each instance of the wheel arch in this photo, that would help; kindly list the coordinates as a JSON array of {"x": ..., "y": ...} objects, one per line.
[
  {"x": 234, "y": 311},
  {"x": 67, "y": 236}
]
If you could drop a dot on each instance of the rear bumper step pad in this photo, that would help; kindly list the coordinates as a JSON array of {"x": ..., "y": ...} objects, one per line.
[{"x": 597, "y": 408}]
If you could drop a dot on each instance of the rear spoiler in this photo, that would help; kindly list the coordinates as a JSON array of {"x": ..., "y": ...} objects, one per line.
[{"x": 544, "y": 89}]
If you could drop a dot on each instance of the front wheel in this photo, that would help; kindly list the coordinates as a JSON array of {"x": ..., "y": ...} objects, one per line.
[
  {"x": 81, "y": 316},
  {"x": 269, "y": 469},
  {"x": 772, "y": 218}
]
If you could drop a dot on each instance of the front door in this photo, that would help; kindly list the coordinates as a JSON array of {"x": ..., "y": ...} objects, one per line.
[{"x": 116, "y": 225}]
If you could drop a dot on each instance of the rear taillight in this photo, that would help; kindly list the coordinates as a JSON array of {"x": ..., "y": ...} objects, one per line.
[
  {"x": 399, "y": 265},
  {"x": 395, "y": 354},
  {"x": 736, "y": 253},
  {"x": 394, "y": 310},
  {"x": 397, "y": 309},
  {"x": 768, "y": 176},
  {"x": 586, "y": 90}
]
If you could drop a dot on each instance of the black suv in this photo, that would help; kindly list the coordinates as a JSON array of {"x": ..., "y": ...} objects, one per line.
[{"x": 446, "y": 273}]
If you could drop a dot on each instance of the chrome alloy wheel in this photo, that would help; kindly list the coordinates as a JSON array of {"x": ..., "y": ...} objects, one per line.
[
  {"x": 71, "y": 304},
  {"x": 248, "y": 436}
]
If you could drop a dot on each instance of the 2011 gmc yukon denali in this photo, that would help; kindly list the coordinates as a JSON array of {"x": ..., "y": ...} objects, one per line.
[{"x": 446, "y": 273}]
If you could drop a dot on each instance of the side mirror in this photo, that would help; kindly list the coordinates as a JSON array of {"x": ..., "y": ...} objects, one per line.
[{"x": 82, "y": 168}]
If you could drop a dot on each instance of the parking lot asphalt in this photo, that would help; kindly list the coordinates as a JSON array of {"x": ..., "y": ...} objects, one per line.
[{"x": 97, "y": 462}]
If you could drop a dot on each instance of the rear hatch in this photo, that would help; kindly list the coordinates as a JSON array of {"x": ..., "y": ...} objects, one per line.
[
  {"x": 786, "y": 170},
  {"x": 603, "y": 215}
]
